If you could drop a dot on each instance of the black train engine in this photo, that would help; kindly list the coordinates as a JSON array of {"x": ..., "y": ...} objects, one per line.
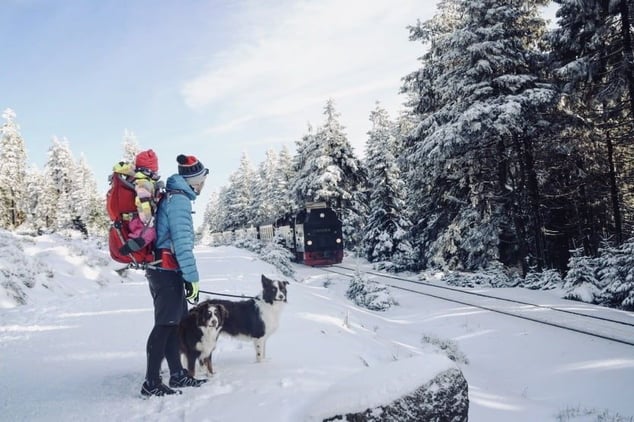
[
  {"x": 313, "y": 235},
  {"x": 318, "y": 238}
]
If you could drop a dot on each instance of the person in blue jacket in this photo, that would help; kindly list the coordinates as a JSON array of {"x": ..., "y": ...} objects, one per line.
[{"x": 176, "y": 280}]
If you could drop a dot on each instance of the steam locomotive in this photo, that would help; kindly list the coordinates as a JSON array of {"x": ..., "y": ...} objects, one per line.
[{"x": 313, "y": 235}]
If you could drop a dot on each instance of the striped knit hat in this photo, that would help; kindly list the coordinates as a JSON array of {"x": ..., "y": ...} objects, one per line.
[{"x": 191, "y": 169}]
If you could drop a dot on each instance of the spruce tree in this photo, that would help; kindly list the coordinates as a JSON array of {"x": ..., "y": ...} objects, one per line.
[
  {"x": 341, "y": 172},
  {"x": 616, "y": 274},
  {"x": 13, "y": 163},
  {"x": 592, "y": 60},
  {"x": 304, "y": 183},
  {"x": 327, "y": 170},
  {"x": 35, "y": 220},
  {"x": 264, "y": 197},
  {"x": 130, "y": 146},
  {"x": 282, "y": 190},
  {"x": 387, "y": 230},
  {"x": 238, "y": 199},
  {"x": 89, "y": 202},
  {"x": 476, "y": 95},
  {"x": 581, "y": 281},
  {"x": 60, "y": 185}
]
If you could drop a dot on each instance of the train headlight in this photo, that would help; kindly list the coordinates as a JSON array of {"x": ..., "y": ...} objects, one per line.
[
  {"x": 338, "y": 240},
  {"x": 309, "y": 242}
]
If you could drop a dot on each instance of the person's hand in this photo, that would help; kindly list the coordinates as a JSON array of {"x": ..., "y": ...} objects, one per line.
[{"x": 191, "y": 292}]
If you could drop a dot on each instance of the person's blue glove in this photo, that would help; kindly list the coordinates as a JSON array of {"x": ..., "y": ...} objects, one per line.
[{"x": 191, "y": 292}]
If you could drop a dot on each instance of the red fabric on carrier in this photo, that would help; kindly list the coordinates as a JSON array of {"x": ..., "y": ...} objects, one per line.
[{"x": 121, "y": 208}]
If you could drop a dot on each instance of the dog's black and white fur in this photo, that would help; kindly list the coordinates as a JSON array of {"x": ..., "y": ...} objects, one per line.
[
  {"x": 199, "y": 332},
  {"x": 255, "y": 319}
]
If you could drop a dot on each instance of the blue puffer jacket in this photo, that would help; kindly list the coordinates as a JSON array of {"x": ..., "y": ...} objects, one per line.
[{"x": 175, "y": 226}]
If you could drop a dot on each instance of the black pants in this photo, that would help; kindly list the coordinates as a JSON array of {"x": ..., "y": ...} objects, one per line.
[{"x": 168, "y": 293}]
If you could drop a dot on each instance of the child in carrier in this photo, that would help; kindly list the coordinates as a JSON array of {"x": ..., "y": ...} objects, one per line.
[{"x": 146, "y": 177}]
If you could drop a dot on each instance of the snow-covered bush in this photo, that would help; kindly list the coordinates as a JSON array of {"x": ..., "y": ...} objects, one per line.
[
  {"x": 494, "y": 276},
  {"x": 250, "y": 244},
  {"x": 607, "y": 279},
  {"x": 18, "y": 271},
  {"x": 616, "y": 276},
  {"x": 274, "y": 253},
  {"x": 32, "y": 267},
  {"x": 581, "y": 282},
  {"x": 369, "y": 294},
  {"x": 445, "y": 346},
  {"x": 546, "y": 280}
]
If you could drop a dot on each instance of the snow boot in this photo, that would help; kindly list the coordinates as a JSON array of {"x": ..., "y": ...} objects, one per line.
[
  {"x": 182, "y": 379},
  {"x": 157, "y": 388}
]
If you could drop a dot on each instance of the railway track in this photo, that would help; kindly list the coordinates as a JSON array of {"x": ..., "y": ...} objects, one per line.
[{"x": 577, "y": 317}]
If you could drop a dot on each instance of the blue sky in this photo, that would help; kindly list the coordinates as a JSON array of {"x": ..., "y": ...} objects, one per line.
[{"x": 210, "y": 78}]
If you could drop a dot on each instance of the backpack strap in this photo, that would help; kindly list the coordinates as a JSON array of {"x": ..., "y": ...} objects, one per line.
[{"x": 175, "y": 191}]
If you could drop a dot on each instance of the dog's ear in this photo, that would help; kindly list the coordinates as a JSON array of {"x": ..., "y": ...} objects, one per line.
[
  {"x": 286, "y": 283},
  {"x": 201, "y": 313},
  {"x": 224, "y": 312},
  {"x": 266, "y": 281}
]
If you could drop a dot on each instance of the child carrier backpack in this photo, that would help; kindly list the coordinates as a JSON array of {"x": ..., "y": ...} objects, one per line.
[{"x": 122, "y": 209}]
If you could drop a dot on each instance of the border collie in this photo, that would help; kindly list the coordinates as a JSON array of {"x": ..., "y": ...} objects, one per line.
[
  {"x": 198, "y": 334},
  {"x": 255, "y": 319}
]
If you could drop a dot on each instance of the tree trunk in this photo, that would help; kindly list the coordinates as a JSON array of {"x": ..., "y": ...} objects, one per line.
[
  {"x": 628, "y": 52},
  {"x": 533, "y": 196},
  {"x": 614, "y": 192}
]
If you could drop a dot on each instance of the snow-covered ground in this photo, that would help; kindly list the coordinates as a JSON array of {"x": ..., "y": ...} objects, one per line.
[{"x": 76, "y": 350}]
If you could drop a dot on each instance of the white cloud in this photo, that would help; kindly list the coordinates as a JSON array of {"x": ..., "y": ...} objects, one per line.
[{"x": 295, "y": 56}]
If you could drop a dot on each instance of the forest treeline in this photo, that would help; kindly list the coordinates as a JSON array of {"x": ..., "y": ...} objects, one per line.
[
  {"x": 514, "y": 150},
  {"x": 515, "y": 147}
]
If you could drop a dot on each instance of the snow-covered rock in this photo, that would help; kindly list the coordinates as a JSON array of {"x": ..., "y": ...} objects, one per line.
[{"x": 423, "y": 388}]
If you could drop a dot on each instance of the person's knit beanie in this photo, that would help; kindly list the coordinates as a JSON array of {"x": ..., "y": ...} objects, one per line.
[
  {"x": 147, "y": 160},
  {"x": 191, "y": 168}
]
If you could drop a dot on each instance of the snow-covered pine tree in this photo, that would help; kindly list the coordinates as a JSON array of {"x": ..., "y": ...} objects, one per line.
[
  {"x": 220, "y": 214},
  {"x": 369, "y": 294},
  {"x": 333, "y": 146},
  {"x": 580, "y": 282},
  {"x": 304, "y": 184},
  {"x": 282, "y": 193},
  {"x": 616, "y": 275},
  {"x": 90, "y": 205},
  {"x": 210, "y": 217},
  {"x": 253, "y": 197},
  {"x": 13, "y": 162},
  {"x": 238, "y": 200},
  {"x": 35, "y": 216},
  {"x": 386, "y": 234},
  {"x": 326, "y": 169},
  {"x": 592, "y": 56},
  {"x": 340, "y": 175},
  {"x": 60, "y": 185},
  {"x": 474, "y": 94},
  {"x": 264, "y": 197},
  {"x": 130, "y": 146}
]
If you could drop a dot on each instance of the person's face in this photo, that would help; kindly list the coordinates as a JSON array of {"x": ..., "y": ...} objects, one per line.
[{"x": 198, "y": 187}]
